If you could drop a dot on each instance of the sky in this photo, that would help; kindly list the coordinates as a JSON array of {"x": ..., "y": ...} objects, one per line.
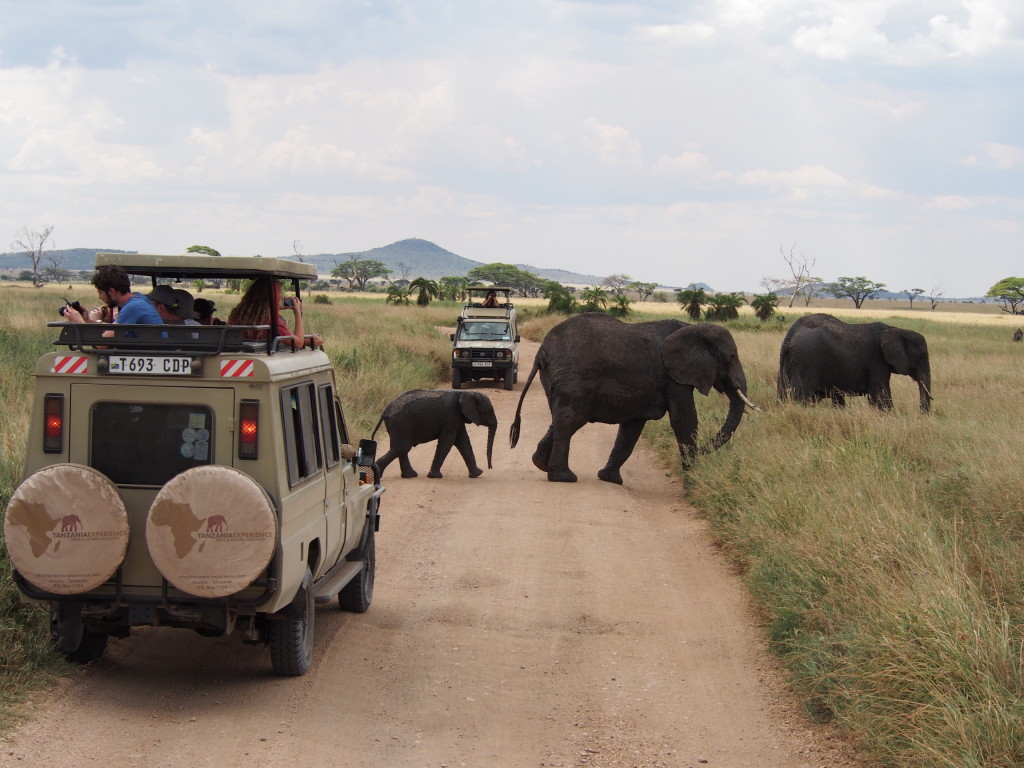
[{"x": 671, "y": 141}]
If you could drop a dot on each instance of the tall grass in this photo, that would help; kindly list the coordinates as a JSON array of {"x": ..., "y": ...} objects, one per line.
[{"x": 886, "y": 549}]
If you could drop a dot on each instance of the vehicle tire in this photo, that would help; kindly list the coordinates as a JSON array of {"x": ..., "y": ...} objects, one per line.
[
  {"x": 291, "y": 636},
  {"x": 515, "y": 374},
  {"x": 456, "y": 378},
  {"x": 358, "y": 593},
  {"x": 509, "y": 375},
  {"x": 91, "y": 648}
]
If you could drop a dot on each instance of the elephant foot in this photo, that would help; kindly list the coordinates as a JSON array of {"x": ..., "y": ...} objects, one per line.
[
  {"x": 562, "y": 476},
  {"x": 539, "y": 462},
  {"x": 610, "y": 476},
  {"x": 475, "y": 472},
  {"x": 410, "y": 473},
  {"x": 435, "y": 473}
]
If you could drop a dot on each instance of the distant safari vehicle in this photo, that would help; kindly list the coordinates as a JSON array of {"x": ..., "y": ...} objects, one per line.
[{"x": 485, "y": 344}]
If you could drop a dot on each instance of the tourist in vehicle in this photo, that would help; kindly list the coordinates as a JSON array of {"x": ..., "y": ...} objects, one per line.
[
  {"x": 204, "y": 312},
  {"x": 174, "y": 305},
  {"x": 255, "y": 309},
  {"x": 491, "y": 300},
  {"x": 120, "y": 303}
]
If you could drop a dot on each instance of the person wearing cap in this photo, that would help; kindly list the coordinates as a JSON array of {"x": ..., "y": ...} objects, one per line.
[
  {"x": 174, "y": 305},
  {"x": 204, "y": 311},
  {"x": 120, "y": 303}
]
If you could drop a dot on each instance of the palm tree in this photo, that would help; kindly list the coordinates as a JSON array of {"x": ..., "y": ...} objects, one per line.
[
  {"x": 398, "y": 294},
  {"x": 452, "y": 288},
  {"x": 764, "y": 305},
  {"x": 594, "y": 299},
  {"x": 560, "y": 298},
  {"x": 724, "y": 306},
  {"x": 427, "y": 290},
  {"x": 620, "y": 305},
  {"x": 692, "y": 300}
]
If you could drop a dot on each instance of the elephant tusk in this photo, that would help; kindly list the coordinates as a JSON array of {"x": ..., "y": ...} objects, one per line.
[
  {"x": 746, "y": 400},
  {"x": 926, "y": 391}
]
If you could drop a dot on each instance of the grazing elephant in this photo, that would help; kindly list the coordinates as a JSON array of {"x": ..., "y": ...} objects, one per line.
[
  {"x": 421, "y": 415},
  {"x": 595, "y": 368},
  {"x": 823, "y": 357}
]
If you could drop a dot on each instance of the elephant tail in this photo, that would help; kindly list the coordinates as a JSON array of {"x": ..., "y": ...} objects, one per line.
[
  {"x": 513, "y": 432},
  {"x": 379, "y": 422}
]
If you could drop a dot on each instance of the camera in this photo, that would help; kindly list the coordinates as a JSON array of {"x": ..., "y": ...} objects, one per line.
[
  {"x": 74, "y": 305},
  {"x": 288, "y": 302}
]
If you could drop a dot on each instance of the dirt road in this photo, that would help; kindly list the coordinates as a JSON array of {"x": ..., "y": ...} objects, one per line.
[{"x": 515, "y": 622}]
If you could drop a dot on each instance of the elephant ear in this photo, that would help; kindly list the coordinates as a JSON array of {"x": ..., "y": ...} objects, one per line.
[
  {"x": 469, "y": 404},
  {"x": 894, "y": 349},
  {"x": 689, "y": 358}
]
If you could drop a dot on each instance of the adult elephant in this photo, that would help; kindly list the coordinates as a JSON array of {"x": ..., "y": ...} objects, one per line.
[
  {"x": 823, "y": 357},
  {"x": 422, "y": 415},
  {"x": 595, "y": 368}
]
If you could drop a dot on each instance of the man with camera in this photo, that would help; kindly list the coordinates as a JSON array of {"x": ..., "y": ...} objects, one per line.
[{"x": 120, "y": 304}]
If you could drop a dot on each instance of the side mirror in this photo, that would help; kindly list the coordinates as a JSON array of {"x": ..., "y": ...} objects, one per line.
[
  {"x": 451, "y": 336},
  {"x": 367, "y": 453},
  {"x": 517, "y": 338}
]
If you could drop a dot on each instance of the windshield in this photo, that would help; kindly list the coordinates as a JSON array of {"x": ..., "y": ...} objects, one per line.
[{"x": 476, "y": 331}]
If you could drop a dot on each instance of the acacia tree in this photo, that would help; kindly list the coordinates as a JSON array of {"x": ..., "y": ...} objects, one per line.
[
  {"x": 204, "y": 249},
  {"x": 857, "y": 289},
  {"x": 912, "y": 293},
  {"x": 617, "y": 283},
  {"x": 357, "y": 271},
  {"x": 33, "y": 245},
  {"x": 692, "y": 300},
  {"x": 643, "y": 290},
  {"x": 1010, "y": 293}
]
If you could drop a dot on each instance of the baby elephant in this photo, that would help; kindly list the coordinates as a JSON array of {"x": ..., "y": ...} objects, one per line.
[{"x": 421, "y": 415}]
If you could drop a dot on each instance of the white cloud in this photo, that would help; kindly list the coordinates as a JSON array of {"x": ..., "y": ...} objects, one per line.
[{"x": 1005, "y": 157}]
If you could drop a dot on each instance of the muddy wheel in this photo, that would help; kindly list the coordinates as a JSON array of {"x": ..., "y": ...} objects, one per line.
[
  {"x": 291, "y": 635},
  {"x": 456, "y": 378},
  {"x": 358, "y": 593},
  {"x": 509, "y": 374}
]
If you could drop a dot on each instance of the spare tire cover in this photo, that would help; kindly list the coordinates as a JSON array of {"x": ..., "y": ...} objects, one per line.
[
  {"x": 66, "y": 529},
  {"x": 211, "y": 531}
]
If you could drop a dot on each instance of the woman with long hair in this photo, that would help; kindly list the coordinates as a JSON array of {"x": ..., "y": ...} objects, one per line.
[{"x": 255, "y": 309}]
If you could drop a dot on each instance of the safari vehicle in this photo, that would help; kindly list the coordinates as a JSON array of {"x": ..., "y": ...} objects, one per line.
[
  {"x": 191, "y": 476},
  {"x": 485, "y": 344}
]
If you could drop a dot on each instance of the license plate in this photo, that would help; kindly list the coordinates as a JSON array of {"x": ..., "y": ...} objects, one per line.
[
  {"x": 150, "y": 365},
  {"x": 484, "y": 364}
]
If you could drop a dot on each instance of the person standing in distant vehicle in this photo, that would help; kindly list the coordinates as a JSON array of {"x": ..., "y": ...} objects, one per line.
[
  {"x": 120, "y": 304},
  {"x": 491, "y": 300}
]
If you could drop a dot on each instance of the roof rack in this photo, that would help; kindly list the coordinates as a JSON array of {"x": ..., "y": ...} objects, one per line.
[{"x": 208, "y": 339}]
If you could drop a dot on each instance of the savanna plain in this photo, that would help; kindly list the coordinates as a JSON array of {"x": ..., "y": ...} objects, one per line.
[{"x": 883, "y": 551}]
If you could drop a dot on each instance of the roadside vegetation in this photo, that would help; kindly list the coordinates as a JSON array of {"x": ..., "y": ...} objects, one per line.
[{"x": 884, "y": 550}]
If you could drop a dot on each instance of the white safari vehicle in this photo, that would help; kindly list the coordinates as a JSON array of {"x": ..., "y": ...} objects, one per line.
[
  {"x": 191, "y": 476},
  {"x": 485, "y": 344}
]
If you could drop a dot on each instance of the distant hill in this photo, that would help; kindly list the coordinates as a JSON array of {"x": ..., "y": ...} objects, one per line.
[
  {"x": 423, "y": 258},
  {"x": 74, "y": 259}
]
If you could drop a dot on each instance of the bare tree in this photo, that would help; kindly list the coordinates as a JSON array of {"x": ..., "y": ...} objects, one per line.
[
  {"x": 33, "y": 245},
  {"x": 297, "y": 249},
  {"x": 404, "y": 271},
  {"x": 935, "y": 295},
  {"x": 800, "y": 283},
  {"x": 54, "y": 269}
]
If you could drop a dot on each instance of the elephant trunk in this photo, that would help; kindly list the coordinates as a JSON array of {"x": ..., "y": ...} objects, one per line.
[
  {"x": 491, "y": 430},
  {"x": 732, "y": 420}
]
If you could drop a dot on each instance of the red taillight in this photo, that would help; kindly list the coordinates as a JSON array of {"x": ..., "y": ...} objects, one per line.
[
  {"x": 248, "y": 429},
  {"x": 53, "y": 424}
]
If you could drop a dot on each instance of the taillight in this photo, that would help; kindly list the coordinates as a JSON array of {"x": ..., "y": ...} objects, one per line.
[
  {"x": 53, "y": 423},
  {"x": 248, "y": 429}
]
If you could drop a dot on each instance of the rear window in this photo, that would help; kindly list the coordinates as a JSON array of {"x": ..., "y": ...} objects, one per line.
[{"x": 149, "y": 443}]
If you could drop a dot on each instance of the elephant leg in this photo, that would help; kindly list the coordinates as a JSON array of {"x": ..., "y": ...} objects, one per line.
[
  {"x": 383, "y": 461},
  {"x": 838, "y": 398},
  {"x": 683, "y": 419},
  {"x": 561, "y": 437},
  {"x": 406, "y": 465},
  {"x": 881, "y": 398},
  {"x": 542, "y": 455},
  {"x": 625, "y": 441},
  {"x": 402, "y": 454},
  {"x": 444, "y": 446},
  {"x": 465, "y": 447}
]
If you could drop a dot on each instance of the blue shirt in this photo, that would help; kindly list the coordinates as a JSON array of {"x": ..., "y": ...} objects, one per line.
[{"x": 138, "y": 311}]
